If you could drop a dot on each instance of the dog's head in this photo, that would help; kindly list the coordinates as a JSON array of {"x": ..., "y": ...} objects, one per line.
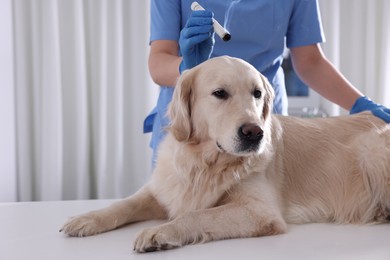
[{"x": 225, "y": 101}]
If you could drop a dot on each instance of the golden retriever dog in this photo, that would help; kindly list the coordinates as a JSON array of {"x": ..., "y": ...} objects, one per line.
[{"x": 228, "y": 168}]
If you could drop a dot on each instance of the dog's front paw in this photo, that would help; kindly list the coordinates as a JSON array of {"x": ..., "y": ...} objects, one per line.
[
  {"x": 84, "y": 225},
  {"x": 162, "y": 237}
]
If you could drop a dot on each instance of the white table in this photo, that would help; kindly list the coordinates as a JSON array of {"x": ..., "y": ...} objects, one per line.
[{"x": 30, "y": 231}]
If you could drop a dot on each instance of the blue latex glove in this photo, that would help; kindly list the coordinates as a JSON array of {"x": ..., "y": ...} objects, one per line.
[
  {"x": 366, "y": 104},
  {"x": 196, "y": 39}
]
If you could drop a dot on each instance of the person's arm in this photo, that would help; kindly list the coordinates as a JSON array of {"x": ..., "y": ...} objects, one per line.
[
  {"x": 164, "y": 62},
  {"x": 196, "y": 43},
  {"x": 319, "y": 74}
]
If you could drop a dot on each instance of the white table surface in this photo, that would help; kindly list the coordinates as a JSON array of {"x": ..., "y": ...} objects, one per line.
[{"x": 30, "y": 231}]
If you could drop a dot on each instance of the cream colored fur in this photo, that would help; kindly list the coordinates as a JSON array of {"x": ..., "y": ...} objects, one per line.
[{"x": 303, "y": 170}]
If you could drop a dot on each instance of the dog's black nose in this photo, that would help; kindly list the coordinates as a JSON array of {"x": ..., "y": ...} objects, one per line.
[
  {"x": 250, "y": 136},
  {"x": 250, "y": 132}
]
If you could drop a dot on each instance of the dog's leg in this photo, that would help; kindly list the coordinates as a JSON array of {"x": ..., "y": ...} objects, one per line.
[
  {"x": 140, "y": 206},
  {"x": 228, "y": 221}
]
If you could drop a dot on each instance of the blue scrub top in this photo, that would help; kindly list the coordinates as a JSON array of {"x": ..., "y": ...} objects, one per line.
[{"x": 260, "y": 31}]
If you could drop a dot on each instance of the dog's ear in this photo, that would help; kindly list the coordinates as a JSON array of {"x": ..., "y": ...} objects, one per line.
[
  {"x": 179, "y": 110},
  {"x": 268, "y": 97}
]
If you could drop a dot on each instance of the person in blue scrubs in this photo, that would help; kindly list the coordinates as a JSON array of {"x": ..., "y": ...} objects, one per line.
[{"x": 261, "y": 29}]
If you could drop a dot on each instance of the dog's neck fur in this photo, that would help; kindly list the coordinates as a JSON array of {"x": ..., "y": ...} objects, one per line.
[
  {"x": 207, "y": 177},
  {"x": 211, "y": 166}
]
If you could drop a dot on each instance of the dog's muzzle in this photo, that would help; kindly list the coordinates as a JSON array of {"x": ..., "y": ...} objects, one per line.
[{"x": 249, "y": 136}]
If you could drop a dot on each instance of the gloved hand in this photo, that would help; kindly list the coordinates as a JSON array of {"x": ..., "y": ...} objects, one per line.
[
  {"x": 366, "y": 104},
  {"x": 196, "y": 39}
]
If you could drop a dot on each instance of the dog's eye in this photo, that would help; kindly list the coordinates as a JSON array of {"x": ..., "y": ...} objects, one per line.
[
  {"x": 257, "y": 93},
  {"x": 221, "y": 94}
]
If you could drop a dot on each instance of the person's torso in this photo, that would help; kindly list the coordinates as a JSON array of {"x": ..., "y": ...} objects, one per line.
[{"x": 257, "y": 27}]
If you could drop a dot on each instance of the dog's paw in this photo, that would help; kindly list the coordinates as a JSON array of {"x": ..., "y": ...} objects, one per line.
[
  {"x": 158, "y": 238},
  {"x": 84, "y": 225}
]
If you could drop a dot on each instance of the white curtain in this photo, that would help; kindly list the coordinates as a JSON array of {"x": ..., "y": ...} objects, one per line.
[
  {"x": 358, "y": 43},
  {"x": 383, "y": 95},
  {"x": 7, "y": 106},
  {"x": 82, "y": 92}
]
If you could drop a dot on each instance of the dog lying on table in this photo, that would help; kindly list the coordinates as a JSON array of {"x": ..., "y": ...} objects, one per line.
[{"x": 228, "y": 168}]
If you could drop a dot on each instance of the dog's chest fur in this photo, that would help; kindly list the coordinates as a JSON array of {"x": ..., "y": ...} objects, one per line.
[{"x": 199, "y": 183}]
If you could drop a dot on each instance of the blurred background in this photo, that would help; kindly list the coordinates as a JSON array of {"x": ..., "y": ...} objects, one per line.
[{"x": 75, "y": 88}]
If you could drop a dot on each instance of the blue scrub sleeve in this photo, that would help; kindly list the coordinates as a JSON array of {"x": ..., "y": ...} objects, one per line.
[
  {"x": 165, "y": 20},
  {"x": 305, "y": 27}
]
